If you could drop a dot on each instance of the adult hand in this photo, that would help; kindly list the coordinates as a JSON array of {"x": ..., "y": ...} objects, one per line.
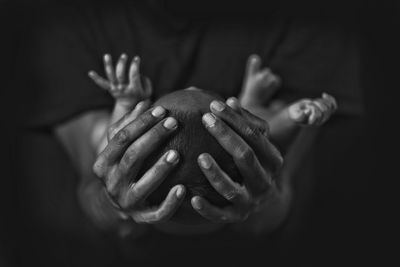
[
  {"x": 130, "y": 141},
  {"x": 245, "y": 137}
]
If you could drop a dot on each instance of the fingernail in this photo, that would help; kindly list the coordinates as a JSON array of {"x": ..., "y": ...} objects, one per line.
[
  {"x": 217, "y": 106},
  {"x": 172, "y": 156},
  {"x": 158, "y": 112},
  {"x": 204, "y": 161},
  {"x": 209, "y": 119},
  {"x": 140, "y": 104},
  {"x": 179, "y": 192},
  {"x": 91, "y": 73},
  {"x": 196, "y": 203},
  {"x": 232, "y": 102},
  {"x": 170, "y": 123},
  {"x": 107, "y": 57}
]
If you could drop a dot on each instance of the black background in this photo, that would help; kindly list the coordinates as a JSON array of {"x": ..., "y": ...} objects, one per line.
[{"x": 359, "y": 226}]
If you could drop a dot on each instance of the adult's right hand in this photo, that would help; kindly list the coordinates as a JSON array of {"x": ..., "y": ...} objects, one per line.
[{"x": 130, "y": 141}]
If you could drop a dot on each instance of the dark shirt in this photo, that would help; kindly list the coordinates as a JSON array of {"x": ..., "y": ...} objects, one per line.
[{"x": 177, "y": 51}]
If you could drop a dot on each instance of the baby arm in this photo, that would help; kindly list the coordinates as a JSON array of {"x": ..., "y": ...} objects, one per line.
[
  {"x": 126, "y": 95},
  {"x": 285, "y": 121}
]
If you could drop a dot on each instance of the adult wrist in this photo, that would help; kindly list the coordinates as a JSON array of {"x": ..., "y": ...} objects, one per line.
[
  {"x": 97, "y": 205},
  {"x": 268, "y": 217}
]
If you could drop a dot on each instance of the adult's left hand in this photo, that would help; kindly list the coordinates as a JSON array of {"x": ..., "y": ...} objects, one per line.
[{"x": 245, "y": 137}]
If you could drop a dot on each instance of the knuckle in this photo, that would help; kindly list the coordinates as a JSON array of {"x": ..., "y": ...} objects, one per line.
[
  {"x": 130, "y": 157},
  {"x": 250, "y": 132},
  {"x": 265, "y": 129},
  {"x": 216, "y": 179},
  {"x": 158, "y": 132},
  {"x": 122, "y": 137},
  {"x": 143, "y": 120},
  {"x": 125, "y": 205},
  {"x": 213, "y": 175},
  {"x": 157, "y": 217},
  {"x": 221, "y": 129},
  {"x": 246, "y": 154},
  {"x": 131, "y": 199},
  {"x": 231, "y": 195},
  {"x": 134, "y": 197},
  {"x": 99, "y": 168},
  {"x": 112, "y": 189}
]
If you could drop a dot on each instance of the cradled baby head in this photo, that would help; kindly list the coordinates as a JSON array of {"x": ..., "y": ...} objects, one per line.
[{"x": 190, "y": 140}]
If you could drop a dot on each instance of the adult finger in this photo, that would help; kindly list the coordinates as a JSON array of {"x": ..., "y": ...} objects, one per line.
[
  {"x": 243, "y": 155},
  {"x": 109, "y": 69},
  {"x": 221, "y": 182},
  {"x": 100, "y": 81},
  {"x": 120, "y": 69},
  {"x": 250, "y": 134},
  {"x": 213, "y": 213},
  {"x": 146, "y": 144},
  {"x": 141, "y": 107},
  {"x": 261, "y": 124},
  {"x": 140, "y": 190},
  {"x": 234, "y": 104},
  {"x": 121, "y": 140},
  {"x": 166, "y": 210}
]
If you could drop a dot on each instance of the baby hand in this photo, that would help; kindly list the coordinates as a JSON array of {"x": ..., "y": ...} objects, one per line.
[
  {"x": 259, "y": 84},
  {"x": 131, "y": 92},
  {"x": 313, "y": 112}
]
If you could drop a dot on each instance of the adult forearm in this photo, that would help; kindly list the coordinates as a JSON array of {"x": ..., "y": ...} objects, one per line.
[
  {"x": 96, "y": 205},
  {"x": 81, "y": 138}
]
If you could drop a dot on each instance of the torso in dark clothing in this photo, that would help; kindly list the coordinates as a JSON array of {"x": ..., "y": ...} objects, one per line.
[{"x": 179, "y": 52}]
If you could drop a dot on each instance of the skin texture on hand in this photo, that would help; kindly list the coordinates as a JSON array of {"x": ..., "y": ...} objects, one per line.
[
  {"x": 245, "y": 138},
  {"x": 132, "y": 139}
]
